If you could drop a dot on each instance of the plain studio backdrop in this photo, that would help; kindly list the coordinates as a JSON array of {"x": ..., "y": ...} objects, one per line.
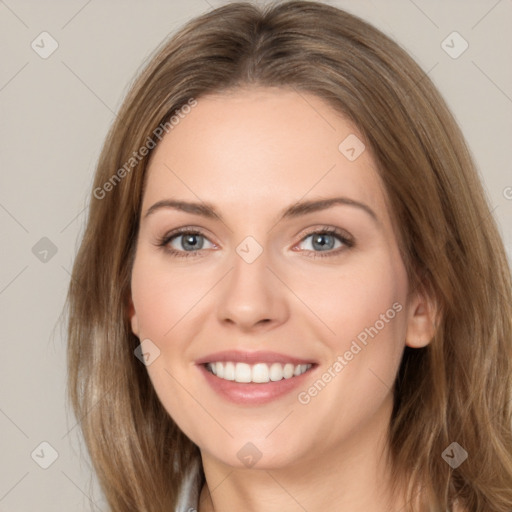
[{"x": 65, "y": 68}]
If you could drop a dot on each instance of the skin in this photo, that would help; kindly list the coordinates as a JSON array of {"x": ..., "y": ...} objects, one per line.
[{"x": 252, "y": 153}]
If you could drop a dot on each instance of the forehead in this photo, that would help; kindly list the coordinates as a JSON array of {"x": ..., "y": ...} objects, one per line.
[{"x": 262, "y": 145}]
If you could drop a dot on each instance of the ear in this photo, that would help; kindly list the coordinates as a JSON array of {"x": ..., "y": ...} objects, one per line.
[
  {"x": 134, "y": 321},
  {"x": 422, "y": 320}
]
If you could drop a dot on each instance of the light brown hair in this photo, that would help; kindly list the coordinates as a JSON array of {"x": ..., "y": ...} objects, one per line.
[{"x": 457, "y": 389}]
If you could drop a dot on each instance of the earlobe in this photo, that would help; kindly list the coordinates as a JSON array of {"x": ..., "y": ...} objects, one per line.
[{"x": 422, "y": 322}]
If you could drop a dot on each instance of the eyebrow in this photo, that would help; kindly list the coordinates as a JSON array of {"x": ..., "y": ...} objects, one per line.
[{"x": 296, "y": 210}]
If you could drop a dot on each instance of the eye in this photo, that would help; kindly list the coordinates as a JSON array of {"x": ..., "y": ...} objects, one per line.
[
  {"x": 327, "y": 240},
  {"x": 185, "y": 242}
]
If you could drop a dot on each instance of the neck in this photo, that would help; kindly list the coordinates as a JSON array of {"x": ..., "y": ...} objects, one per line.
[{"x": 354, "y": 476}]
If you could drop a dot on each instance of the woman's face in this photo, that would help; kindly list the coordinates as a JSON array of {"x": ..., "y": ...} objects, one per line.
[{"x": 285, "y": 280}]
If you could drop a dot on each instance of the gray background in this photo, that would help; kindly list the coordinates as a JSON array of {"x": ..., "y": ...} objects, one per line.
[{"x": 55, "y": 113}]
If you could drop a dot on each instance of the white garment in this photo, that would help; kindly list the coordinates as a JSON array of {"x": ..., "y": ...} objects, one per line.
[{"x": 188, "y": 500}]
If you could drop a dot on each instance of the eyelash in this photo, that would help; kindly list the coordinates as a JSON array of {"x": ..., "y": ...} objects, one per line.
[{"x": 343, "y": 237}]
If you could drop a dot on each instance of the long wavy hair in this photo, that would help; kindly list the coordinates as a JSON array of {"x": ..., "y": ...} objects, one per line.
[{"x": 456, "y": 389}]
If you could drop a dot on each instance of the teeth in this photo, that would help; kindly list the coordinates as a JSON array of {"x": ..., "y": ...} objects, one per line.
[{"x": 260, "y": 372}]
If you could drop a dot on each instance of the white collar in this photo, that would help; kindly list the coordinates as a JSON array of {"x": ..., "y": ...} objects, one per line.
[{"x": 188, "y": 498}]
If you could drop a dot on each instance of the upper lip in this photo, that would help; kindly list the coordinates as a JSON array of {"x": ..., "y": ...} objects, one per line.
[{"x": 237, "y": 356}]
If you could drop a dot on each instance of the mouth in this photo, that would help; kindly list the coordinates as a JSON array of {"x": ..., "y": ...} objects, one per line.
[
  {"x": 254, "y": 378},
  {"x": 259, "y": 373},
  {"x": 256, "y": 384}
]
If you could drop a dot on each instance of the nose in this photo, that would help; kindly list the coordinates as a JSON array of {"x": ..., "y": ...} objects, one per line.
[{"x": 251, "y": 297}]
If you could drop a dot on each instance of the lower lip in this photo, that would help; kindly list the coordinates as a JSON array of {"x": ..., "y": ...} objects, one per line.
[{"x": 252, "y": 393}]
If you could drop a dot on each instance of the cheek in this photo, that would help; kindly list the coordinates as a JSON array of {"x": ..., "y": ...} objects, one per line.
[
  {"x": 162, "y": 297},
  {"x": 366, "y": 310},
  {"x": 370, "y": 327},
  {"x": 365, "y": 297}
]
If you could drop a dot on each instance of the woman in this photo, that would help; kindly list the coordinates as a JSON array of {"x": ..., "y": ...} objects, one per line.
[{"x": 291, "y": 294}]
